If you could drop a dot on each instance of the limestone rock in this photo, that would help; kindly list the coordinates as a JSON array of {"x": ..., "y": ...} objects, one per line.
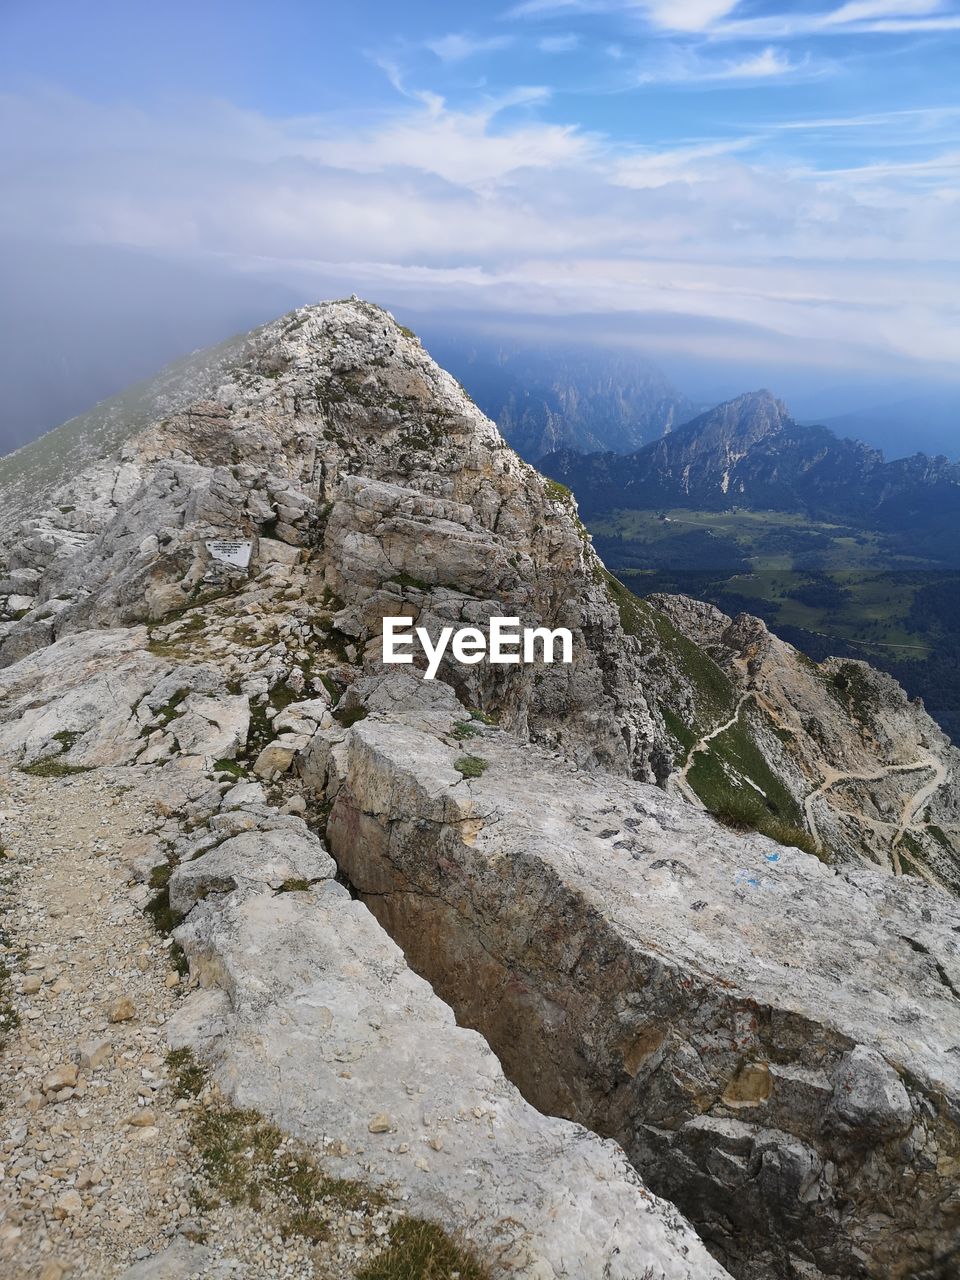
[
  {"x": 741, "y": 1017},
  {"x": 254, "y": 858},
  {"x": 276, "y": 758},
  {"x": 122, "y": 1010},
  {"x": 180, "y": 1261},
  {"x": 317, "y": 1010}
]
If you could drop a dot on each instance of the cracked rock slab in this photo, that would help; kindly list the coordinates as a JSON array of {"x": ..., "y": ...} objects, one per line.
[
  {"x": 768, "y": 1038},
  {"x": 312, "y": 1016}
]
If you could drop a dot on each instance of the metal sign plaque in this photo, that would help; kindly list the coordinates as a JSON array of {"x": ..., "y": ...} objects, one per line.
[{"x": 230, "y": 551}]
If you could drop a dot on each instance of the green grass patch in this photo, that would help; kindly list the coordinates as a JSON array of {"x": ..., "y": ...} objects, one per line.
[
  {"x": 421, "y": 1250},
  {"x": 233, "y": 767},
  {"x": 189, "y": 1077},
  {"x": 53, "y": 769},
  {"x": 743, "y": 810},
  {"x": 164, "y": 918},
  {"x": 405, "y": 580},
  {"x": 350, "y": 716},
  {"x": 680, "y": 731},
  {"x": 331, "y": 687},
  {"x": 471, "y": 766},
  {"x": 688, "y": 671},
  {"x": 296, "y": 886},
  {"x": 736, "y": 754},
  {"x": 245, "y": 1160},
  {"x": 557, "y": 491},
  {"x": 169, "y": 711},
  {"x": 178, "y": 959},
  {"x": 464, "y": 729}
]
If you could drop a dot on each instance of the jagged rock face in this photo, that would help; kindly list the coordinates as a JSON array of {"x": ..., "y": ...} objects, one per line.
[
  {"x": 366, "y": 483},
  {"x": 871, "y": 774},
  {"x": 772, "y": 1042},
  {"x": 336, "y": 434}
]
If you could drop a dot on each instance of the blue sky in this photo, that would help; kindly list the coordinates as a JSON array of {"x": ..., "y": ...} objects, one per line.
[{"x": 749, "y": 180}]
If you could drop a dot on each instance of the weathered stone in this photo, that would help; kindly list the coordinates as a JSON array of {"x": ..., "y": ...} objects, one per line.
[
  {"x": 315, "y": 1010},
  {"x": 692, "y": 993},
  {"x": 122, "y": 1010},
  {"x": 869, "y": 1095},
  {"x": 254, "y": 858},
  {"x": 95, "y": 1054},
  {"x": 180, "y": 1261},
  {"x": 62, "y": 1077},
  {"x": 275, "y": 758}
]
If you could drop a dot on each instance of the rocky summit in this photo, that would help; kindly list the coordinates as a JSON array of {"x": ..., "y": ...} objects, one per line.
[{"x": 312, "y": 967}]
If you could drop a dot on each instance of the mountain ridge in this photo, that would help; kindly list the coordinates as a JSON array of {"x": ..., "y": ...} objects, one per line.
[
  {"x": 742, "y": 1001},
  {"x": 751, "y": 450}
]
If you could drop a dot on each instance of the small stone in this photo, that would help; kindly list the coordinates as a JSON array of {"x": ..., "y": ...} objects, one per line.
[
  {"x": 95, "y": 1054},
  {"x": 276, "y": 758},
  {"x": 53, "y": 1270},
  {"x": 68, "y": 1205},
  {"x": 142, "y": 1117},
  {"x": 172, "y": 979},
  {"x": 62, "y": 1077},
  {"x": 122, "y": 1010},
  {"x": 380, "y": 1123},
  {"x": 436, "y": 1144},
  {"x": 31, "y": 984}
]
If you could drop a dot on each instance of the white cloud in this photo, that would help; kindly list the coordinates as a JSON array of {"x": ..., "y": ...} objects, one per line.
[
  {"x": 684, "y": 66},
  {"x": 456, "y": 47},
  {"x": 856, "y": 16},
  {"x": 653, "y": 167},
  {"x": 686, "y": 15},
  {"x": 718, "y": 18},
  {"x": 478, "y": 208},
  {"x": 771, "y": 62},
  {"x": 670, "y": 15},
  {"x": 859, "y": 10}
]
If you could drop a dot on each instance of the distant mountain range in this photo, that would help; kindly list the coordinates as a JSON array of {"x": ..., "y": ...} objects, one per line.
[
  {"x": 549, "y": 398},
  {"x": 750, "y": 452}
]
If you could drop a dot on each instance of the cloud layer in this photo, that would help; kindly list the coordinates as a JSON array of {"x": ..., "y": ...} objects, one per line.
[{"x": 492, "y": 198}]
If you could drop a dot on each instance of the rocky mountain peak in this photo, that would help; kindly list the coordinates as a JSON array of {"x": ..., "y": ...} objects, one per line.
[
  {"x": 332, "y": 432},
  {"x": 741, "y": 422},
  {"x": 193, "y": 582}
]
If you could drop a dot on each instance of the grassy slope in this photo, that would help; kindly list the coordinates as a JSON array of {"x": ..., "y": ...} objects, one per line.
[{"x": 32, "y": 472}]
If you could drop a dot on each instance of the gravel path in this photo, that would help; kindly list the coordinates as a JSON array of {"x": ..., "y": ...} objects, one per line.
[{"x": 97, "y": 1168}]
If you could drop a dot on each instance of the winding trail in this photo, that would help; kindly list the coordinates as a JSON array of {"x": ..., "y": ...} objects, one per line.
[
  {"x": 681, "y": 783},
  {"x": 916, "y": 803},
  {"x": 913, "y": 805}
]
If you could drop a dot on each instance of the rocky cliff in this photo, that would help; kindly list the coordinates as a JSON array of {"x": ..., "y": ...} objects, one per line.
[{"x": 193, "y": 606}]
